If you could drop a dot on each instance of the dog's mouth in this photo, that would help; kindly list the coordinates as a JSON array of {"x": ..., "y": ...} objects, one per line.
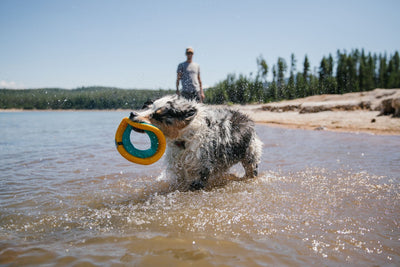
[
  {"x": 137, "y": 130},
  {"x": 134, "y": 117}
]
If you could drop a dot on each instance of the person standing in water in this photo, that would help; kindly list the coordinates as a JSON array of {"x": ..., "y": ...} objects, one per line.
[{"x": 189, "y": 73}]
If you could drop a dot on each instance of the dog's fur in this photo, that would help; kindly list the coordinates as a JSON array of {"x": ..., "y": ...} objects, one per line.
[{"x": 203, "y": 141}]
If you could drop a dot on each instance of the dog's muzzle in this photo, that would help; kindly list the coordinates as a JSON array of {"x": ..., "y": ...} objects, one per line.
[{"x": 132, "y": 117}]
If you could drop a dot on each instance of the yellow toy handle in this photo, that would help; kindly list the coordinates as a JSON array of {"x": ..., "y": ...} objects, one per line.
[{"x": 127, "y": 149}]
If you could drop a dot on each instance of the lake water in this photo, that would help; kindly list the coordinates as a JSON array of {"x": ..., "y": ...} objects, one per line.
[{"x": 67, "y": 198}]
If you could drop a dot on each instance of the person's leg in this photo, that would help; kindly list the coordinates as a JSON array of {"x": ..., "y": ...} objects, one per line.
[{"x": 191, "y": 95}]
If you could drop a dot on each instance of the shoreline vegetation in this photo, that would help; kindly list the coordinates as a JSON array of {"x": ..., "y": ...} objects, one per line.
[
  {"x": 309, "y": 99},
  {"x": 84, "y": 98}
]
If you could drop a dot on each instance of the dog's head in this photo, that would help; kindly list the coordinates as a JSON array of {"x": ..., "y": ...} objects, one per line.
[{"x": 170, "y": 114}]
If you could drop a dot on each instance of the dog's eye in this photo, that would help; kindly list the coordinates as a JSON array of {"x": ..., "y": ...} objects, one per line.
[
  {"x": 172, "y": 113},
  {"x": 190, "y": 113}
]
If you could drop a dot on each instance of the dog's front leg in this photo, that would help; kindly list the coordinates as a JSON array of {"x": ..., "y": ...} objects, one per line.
[
  {"x": 251, "y": 168},
  {"x": 202, "y": 182}
]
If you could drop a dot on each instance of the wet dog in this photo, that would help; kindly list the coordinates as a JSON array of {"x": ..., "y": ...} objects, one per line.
[{"x": 203, "y": 142}]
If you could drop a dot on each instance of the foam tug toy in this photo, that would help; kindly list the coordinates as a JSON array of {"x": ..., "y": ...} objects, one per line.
[{"x": 130, "y": 152}]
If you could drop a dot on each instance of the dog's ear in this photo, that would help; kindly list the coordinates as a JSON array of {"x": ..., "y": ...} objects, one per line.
[
  {"x": 148, "y": 103},
  {"x": 185, "y": 117}
]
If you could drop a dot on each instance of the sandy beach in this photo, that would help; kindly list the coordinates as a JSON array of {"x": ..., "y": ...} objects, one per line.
[
  {"x": 353, "y": 112},
  {"x": 343, "y": 121}
]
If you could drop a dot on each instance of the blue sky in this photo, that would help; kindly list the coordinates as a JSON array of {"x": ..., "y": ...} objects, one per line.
[{"x": 138, "y": 44}]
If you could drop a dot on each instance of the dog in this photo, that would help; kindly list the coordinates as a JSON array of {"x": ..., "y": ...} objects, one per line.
[{"x": 203, "y": 141}]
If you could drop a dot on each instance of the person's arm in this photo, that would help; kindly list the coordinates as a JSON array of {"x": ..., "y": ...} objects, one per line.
[
  {"x": 178, "y": 78},
  {"x": 202, "y": 96}
]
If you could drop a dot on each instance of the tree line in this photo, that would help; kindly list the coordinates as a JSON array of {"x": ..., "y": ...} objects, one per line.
[
  {"x": 349, "y": 72},
  {"x": 80, "y": 98}
]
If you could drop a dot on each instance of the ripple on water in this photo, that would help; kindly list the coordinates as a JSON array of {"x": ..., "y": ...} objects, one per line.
[{"x": 314, "y": 214}]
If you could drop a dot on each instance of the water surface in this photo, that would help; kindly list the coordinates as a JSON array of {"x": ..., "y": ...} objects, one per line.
[{"x": 67, "y": 197}]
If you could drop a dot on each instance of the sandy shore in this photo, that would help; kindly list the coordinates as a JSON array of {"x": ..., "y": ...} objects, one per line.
[
  {"x": 343, "y": 121},
  {"x": 355, "y": 112}
]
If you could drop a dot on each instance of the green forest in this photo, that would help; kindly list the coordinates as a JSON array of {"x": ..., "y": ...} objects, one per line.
[
  {"x": 81, "y": 98},
  {"x": 355, "y": 71}
]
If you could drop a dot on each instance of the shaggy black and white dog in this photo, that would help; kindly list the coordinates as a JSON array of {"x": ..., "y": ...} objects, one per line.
[{"x": 203, "y": 142}]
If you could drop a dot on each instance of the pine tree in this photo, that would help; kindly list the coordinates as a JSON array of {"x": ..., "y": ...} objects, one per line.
[
  {"x": 396, "y": 59},
  {"x": 274, "y": 87},
  {"x": 352, "y": 81},
  {"x": 242, "y": 89},
  {"x": 217, "y": 94},
  {"x": 393, "y": 71},
  {"x": 382, "y": 80},
  {"x": 370, "y": 74},
  {"x": 257, "y": 91},
  {"x": 374, "y": 66},
  {"x": 291, "y": 90},
  {"x": 300, "y": 85},
  {"x": 306, "y": 81},
  {"x": 341, "y": 75},
  {"x": 331, "y": 81},
  {"x": 262, "y": 68},
  {"x": 230, "y": 88},
  {"x": 330, "y": 65},
  {"x": 346, "y": 72},
  {"x": 323, "y": 75},
  {"x": 314, "y": 85},
  {"x": 306, "y": 68},
  {"x": 261, "y": 79},
  {"x": 363, "y": 72},
  {"x": 282, "y": 67}
]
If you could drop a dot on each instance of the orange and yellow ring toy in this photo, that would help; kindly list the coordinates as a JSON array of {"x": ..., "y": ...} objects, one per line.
[{"x": 130, "y": 152}]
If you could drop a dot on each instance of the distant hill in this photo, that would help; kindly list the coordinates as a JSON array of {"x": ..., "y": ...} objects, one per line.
[{"x": 79, "y": 98}]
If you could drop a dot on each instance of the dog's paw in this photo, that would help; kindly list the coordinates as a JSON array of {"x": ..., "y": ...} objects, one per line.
[
  {"x": 196, "y": 185},
  {"x": 255, "y": 171}
]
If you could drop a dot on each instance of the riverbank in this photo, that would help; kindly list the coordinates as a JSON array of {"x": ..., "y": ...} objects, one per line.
[{"x": 353, "y": 112}]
